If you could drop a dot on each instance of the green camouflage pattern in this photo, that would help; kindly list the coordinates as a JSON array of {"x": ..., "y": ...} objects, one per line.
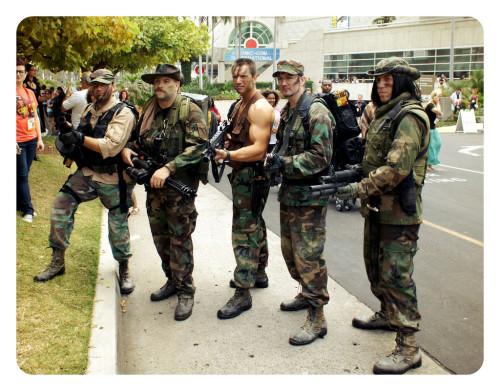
[
  {"x": 184, "y": 151},
  {"x": 103, "y": 76},
  {"x": 387, "y": 162},
  {"x": 303, "y": 236},
  {"x": 308, "y": 155},
  {"x": 292, "y": 67},
  {"x": 249, "y": 235},
  {"x": 64, "y": 206},
  {"x": 395, "y": 65},
  {"x": 172, "y": 219},
  {"x": 395, "y": 287}
]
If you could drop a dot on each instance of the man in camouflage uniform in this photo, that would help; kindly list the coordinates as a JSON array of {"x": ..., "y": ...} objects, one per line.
[
  {"x": 252, "y": 120},
  {"x": 306, "y": 155},
  {"x": 391, "y": 203},
  {"x": 172, "y": 126},
  {"x": 98, "y": 175}
]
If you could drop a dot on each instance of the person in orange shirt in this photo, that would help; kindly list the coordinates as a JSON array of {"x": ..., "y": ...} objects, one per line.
[{"x": 28, "y": 139}]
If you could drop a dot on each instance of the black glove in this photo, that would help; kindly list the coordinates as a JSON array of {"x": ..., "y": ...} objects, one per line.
[
  {"x": 274, "y": 163},
  {"x": 72, "y": 138}
]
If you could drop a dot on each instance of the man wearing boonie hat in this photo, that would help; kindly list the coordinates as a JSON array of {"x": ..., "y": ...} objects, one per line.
[
  {"x": 394, "y": 166},
  {"x": 302, "y": 156},
  {"x": 104, "y": 129},
  {"x": 173, "y": 126}
]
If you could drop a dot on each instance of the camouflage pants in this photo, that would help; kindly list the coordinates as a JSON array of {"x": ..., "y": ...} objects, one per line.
[
  {"x": 172, "y": 219},
  {"x": 62, "y": 215},
  {"x": 393, "y": 285},
  {"x": 303, "y": 235},
  {"x": 249, "y": 236}
]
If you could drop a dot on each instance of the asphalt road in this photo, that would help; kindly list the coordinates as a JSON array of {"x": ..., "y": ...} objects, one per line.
[{"x": 449, "y": 271}]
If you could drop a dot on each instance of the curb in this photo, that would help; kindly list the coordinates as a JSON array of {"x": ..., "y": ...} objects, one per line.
[{"x": 103, "y": 352}]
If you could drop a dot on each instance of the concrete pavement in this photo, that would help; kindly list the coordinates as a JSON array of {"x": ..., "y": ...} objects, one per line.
[{"x": 132, "y": 335}]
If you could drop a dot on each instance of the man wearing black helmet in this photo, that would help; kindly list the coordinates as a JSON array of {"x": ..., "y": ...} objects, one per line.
[{"x": 394, "y": 165}]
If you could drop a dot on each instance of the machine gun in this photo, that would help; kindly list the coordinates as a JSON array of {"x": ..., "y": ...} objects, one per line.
[
  {"x": 216, "y": 142},
  {"x": 144, "y": 168},
  {"x": 70, "y": 153},
  {"x": 336, "y": 179}
]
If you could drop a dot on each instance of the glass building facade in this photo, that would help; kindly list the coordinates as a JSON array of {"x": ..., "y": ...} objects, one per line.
[{"x": 427, "y": 61}]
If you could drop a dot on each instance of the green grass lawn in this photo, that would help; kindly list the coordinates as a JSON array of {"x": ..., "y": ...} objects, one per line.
[{"x": 54, "y": 318}]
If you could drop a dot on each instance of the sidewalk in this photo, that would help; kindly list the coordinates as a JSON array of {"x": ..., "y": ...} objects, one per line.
[{"x": 142, "y": 337}]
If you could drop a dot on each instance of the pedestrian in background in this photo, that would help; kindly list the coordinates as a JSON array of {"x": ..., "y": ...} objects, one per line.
[
  {"x": 433, "y": 109},
  {"x": 28, "y": 139}
]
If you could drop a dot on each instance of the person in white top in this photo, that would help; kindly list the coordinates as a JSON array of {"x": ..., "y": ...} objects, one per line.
[{"x": 77, "y": 101}]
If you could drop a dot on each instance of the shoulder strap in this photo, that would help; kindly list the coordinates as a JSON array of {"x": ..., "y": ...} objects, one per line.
[
  {"x": 183, "y": 120},
  {"x": 105, "y": 118},
  {"x": 399, "y": 118}
]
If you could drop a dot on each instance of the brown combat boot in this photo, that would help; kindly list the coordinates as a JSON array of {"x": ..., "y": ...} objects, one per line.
[
  {"x": 184, "y": 307},
  {"x": 126, "y": 284},
  {"x": 55, "y": 268},
  {"x": 241, "y": 301},
  {"x": 314, "y": 327},
  {"x": 405, "y": 356}
]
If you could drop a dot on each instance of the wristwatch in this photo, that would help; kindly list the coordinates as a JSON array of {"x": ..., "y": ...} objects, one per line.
[{"x": 228, "y": 156}]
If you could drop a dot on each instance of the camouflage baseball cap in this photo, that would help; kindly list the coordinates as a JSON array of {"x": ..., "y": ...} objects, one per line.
[
  {"x": 163, "y": 70},
  {"x": 103, "y": 76},
  {"x": 292, "y": 67},
  {"x": 395, "y": 65}
]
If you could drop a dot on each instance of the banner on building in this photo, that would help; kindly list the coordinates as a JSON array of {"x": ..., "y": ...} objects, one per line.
[{"x": 262, "y": 55}]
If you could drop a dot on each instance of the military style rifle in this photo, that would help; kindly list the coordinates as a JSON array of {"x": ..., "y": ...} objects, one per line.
[
  {"x": 216, "y": 142},
  {"x": 336, "y": 179},
  {"x": 144, "y": 168}
]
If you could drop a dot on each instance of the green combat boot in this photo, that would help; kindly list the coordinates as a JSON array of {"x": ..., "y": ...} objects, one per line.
[
  {"x": 55, "y": 268},
  {"x": 296, "y": 304},
  {"x": 164, "y": 292},
  {"x": 241, "y": 301},
  {"x": 378, "y": 321},
  {"x": 184, "y": 307},
  {"x": 406, "y": 356},
  {"x": 314, "y": 327},
  {"x": 126, "y": 283}
]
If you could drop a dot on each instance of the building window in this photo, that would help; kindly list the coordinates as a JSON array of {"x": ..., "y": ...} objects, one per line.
[
  {"x": 253, "y": 35},
  {"x": 427, "y": 61}
]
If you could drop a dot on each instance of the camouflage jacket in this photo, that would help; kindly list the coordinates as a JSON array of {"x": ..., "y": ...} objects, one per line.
[
  {"x": 387, "y": 161},
  {"x": 307, "y": 154},
  {"x": 183, "y": 148}
]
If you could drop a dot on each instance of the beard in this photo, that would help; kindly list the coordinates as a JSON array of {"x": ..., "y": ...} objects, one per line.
[{"x": 106, "y": 96}]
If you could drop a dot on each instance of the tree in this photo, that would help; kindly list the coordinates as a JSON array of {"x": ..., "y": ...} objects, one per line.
[
  {"x": 68, "y": 43},
  {"x": 118, "y": 43}
]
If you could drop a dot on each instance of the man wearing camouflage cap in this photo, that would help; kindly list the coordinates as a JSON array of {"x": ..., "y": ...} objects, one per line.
[
  {"x": 174, "y": 127},
  {"x": 394, "y": 165},
  {"x": 302, "y": 155},
  {"x": 104, "y": 129}
]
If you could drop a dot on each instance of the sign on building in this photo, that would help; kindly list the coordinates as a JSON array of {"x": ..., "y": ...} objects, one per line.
[
  {"x": 426, "y": 84},
  {"x": 257, "y": 54}
]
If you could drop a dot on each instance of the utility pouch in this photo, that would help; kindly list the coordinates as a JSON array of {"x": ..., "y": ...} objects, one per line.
[{"x": 407, "y": 196}]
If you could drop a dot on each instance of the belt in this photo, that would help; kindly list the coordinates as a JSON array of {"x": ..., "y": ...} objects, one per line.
[{"x": 110, "y": 169}]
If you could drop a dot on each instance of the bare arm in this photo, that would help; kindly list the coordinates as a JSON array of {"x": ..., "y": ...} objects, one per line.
[{"x": 261, "y": 117}]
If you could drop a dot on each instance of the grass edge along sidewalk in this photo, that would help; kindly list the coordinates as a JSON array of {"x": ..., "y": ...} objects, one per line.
[{"x": 53, "y": 319}]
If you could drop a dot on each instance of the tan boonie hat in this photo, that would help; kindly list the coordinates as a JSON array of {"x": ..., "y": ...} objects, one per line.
[
  {"x": 395, "y": 65},
  {"x": 163, "y": 70},
  {"x": 292, "y": 67},
  {"x": 103, "y": 76}
]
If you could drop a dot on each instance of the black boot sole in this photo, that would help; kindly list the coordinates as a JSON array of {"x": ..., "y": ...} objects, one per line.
[
  {"x": 59, "y": 273},
  {"x": 364, "y": 326},
  {"x": 126, "y": 291},
  {"x": 290, "y": 309},
  {"x": 221, "y": 315}
]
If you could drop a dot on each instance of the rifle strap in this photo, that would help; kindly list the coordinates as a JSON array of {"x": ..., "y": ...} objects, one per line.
[{"x": 288, "y": 129}]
